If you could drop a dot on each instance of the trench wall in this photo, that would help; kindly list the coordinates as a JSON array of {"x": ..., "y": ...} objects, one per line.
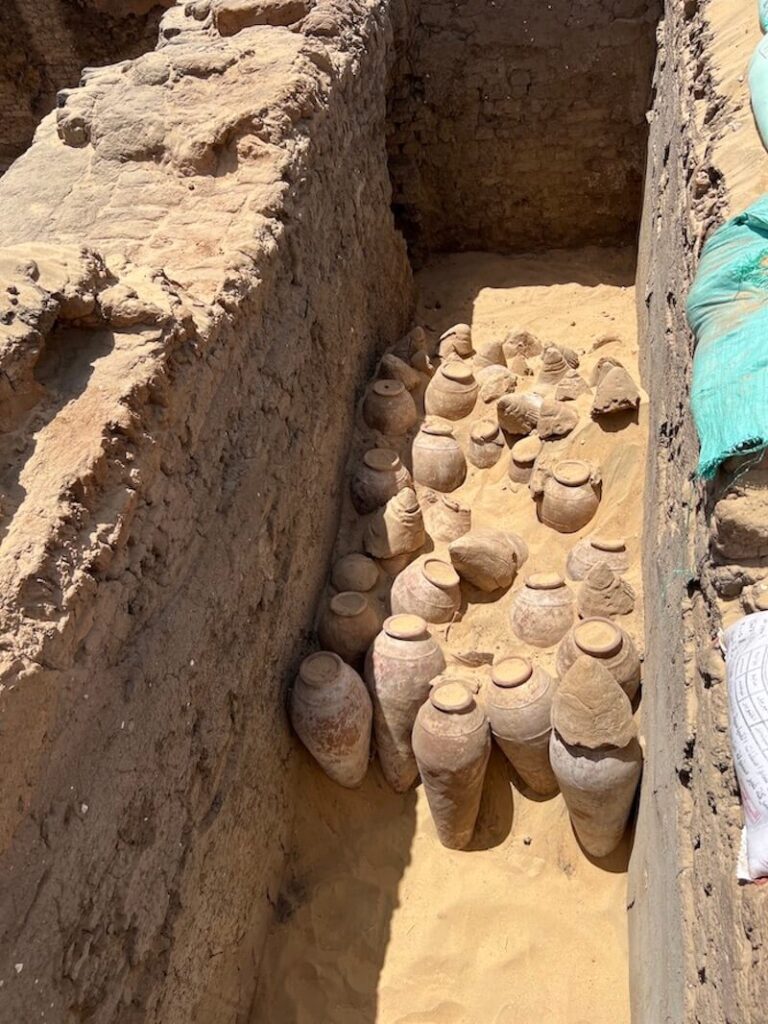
[
  {"x": 189, "y": 305},
  {"x": 44, "y": 44},
  {"x": 697, "y": 938},
  {"x": 516, "y": 124}
]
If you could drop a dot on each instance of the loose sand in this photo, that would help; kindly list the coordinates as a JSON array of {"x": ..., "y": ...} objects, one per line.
[{"x": 376, "y": 921}]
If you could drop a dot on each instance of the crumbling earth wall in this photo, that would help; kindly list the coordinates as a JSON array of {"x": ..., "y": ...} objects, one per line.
[
  {"x": 517, "y": 124},
  {"x": 44, "y": 44},
  {"x": 697, "y": 938},
  {"x": 188, "y": 305}
]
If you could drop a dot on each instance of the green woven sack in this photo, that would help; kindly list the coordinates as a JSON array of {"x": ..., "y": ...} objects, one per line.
[{"x": 728, "y": 312}]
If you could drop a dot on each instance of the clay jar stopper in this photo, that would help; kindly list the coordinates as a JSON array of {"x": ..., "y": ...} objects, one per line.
[
  {"x": 452, "y": 698},
  {"x": 440, "y": 573},
  {"x": 512, "y": 671},
  {"x": 458, "y": 372},
  {"x": 437, "y": 427},
  {"x": 348, "y": 604},
  {"x": 405, "y": 626},
  {"x": 527, "y": 450},
  {"x": 544, "y": 581},
  {"x": 388, "y": 388},
  {"x": 552, "y": 359},
  {"x": 320, "y": 668},
  {"x": 597, "y": 637},
  {"x": 484, "y": 430},
  {"x": 572, "y": 473},
  {"x": 611, "y": 544},
  {"x": 382, "y": 460}
]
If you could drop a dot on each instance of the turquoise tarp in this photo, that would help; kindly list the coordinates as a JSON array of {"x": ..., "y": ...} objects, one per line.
[
  {"x": 763, "y": 9},
  {"x": 758, "y": 87},
  {"x": 728, "y": 312}
]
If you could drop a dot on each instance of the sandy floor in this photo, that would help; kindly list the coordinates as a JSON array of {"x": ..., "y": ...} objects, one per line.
[{"x": 377, "y": 922}]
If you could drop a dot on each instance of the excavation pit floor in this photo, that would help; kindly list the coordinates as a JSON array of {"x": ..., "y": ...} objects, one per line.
[{"x": 376, "y": 921}]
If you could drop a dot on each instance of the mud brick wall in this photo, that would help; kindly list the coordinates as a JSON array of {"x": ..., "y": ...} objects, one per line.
[
  {"x": 44, "y": 44},
  {"x": 519, "y": 124}
]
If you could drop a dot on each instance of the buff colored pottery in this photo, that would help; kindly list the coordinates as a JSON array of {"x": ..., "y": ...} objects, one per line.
[
  {"x": 518, "y": 702},
  {"x": 447, "y": 519},
  {"x": 610, "y": 644},
  {"x": 452, "y": 392},
  {"x": 400, "y": 666},
  {"x": 331, "y": 711},
  {"x": 438, "y": 460},
  {"x": 379, "y": 476},
  {"x": 569, "y": 496},
  {"x": 355, "y": 572},
  {"x": 486, "y": 443},
  {"x": 389, "y": 408},
  {"x": 347, "y": 625},
  {"x": 590, "y": 551},
  {"x": 429, "y": 587},
  {"x": 397, "y": 529},
  {"x": 599, "y": 788},
  {"x": 522, "y": 458},
  {"x": 452, "y": 744},
  {"x": 542, "y": 610}
]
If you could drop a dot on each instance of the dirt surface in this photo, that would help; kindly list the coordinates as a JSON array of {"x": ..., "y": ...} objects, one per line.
[{"x": 376, "y": 921}]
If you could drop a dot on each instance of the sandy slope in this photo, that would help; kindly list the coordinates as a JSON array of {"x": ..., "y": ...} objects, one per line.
[{"x": 376, "y": 920}]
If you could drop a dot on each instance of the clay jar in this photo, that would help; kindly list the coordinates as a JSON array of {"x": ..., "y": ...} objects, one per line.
[
  {"x": 348, "y": 625},
  {"x": 438, "y": 460},
  {"x": 355, "y": 572},
  {"x": 331, "y": 711},
  {"x": 428, "y": 587},
  {"x": 569, "y": 497},
  {"x": 518, "y": 414},
  {"x": 457, "y": 340},
  {"x": 452, "y": 744},
  {"x": 598, "y": 787},
  {"x": 518, "y": 702},
  {"x": 521, "y": 459},
  {"x": 608, "y": 643},
  {"x": 553, "y": 366},
  {"x": 389, "y": 408},
  {"x": 399, "y": 669},
  {"x": 542, "y": 611},
  {"x": 448, "y": 519},
  {"x": 485, "y": 444},
  {"x": 397, "y": 529},
  {"x": 589, "y": 551},
  {"x": 380, "y": 475},
  {"x": 452, "y": 392}
]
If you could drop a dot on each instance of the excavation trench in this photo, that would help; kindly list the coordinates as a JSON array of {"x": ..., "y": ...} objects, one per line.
[{"x": 376, "y": 920}]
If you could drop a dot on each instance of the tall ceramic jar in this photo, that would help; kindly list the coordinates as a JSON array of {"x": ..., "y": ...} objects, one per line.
[
  {"x": 347, "y": 625},
  {"x": 598, "y": 787},
  {"x": 570, "y": 496},
  {"x": 522, "y": 457},
  {"x": 452, "y": 744},
  {"x": 399, "y": 669},
  {"x": 429, "y": 587},
  {"x": 589, "y": 551},
  {"x": 438, "y": 460},
  {"x": 610, "y": 644},
  {"x": 452, "y": 392},
  {"x": 486, "y": 443},
  {"x": 331, "y": 711},
  {"x": 389, "y": 408},
  {"x": 379, "y": 476},
  {"x": 542, "y": 611},
  {"x": 518, "y": 702}
]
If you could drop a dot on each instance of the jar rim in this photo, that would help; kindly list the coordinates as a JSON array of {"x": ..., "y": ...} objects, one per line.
[
  {"x": 572, "y": 473},
  {"x": 320, "y": 668},
  {"x": 452, "y": 697},
  {"x": 458, "y": 372},
  {"x": 544, "y": 581},
  {"x": 440, "y": 573},
  {"x": 388, "y": 388},
  {"x": 598, "y": 637},
  {"x": 381, "y": 459},
  {"x": 348, "y": 604},
  {"x": 511, "y": 671},
  {"x": 405, "y": 626}
]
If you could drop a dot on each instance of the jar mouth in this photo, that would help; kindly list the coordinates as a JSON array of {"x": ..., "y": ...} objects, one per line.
[
  {"x": 451, "y": 697},
  {"x": 484, "y": 430},
  {"x": 458, "y": 372},
  {"x": 348, "y": 603},
  {"x": 441, "y": 574},
  {"x": 611, "y": 544},
  {"x": 436, "y": 426},
  {"x": 381, "y": 459},
  {"x": 405, "y": 626},
  {"x": 572, "y": 473},
  {"x": 320, "y": 668},
  {"x": 597, "y": 637},
  {"x": 544, "y": 581},
  {"x": 388, "y": 388},
  {"x": 527, "y": 450},
  {"x": 511, "y": 671}
]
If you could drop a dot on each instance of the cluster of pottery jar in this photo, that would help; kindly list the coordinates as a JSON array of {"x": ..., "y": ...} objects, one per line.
[{"x": 381, "y": 681}]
